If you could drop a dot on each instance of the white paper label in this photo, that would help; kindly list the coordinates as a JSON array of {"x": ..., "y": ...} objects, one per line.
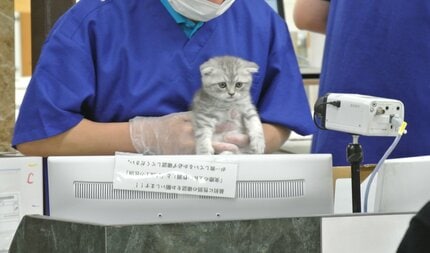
[
  {"x": 181, "y": 176},
  {"x": 9, "y": 218}
]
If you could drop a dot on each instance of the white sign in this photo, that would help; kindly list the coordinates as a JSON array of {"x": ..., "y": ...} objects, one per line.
[
  {"x": 9, "y": 218},
  {"x": 21, "y": 193},
  {"x": 181, "y": 176}
]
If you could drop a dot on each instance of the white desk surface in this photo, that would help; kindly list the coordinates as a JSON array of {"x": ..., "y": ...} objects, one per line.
[{"x": 378, "y": 233}]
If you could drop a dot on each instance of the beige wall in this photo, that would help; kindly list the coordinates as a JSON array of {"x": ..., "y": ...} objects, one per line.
[
  {"x": 22, "y": 7},
  {"x": 7, "y": 74}
]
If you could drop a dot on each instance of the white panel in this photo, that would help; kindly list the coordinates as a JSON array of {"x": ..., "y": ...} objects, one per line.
[{"x": 363, "y": 233}]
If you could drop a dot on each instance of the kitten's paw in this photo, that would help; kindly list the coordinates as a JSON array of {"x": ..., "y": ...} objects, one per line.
[
  {"x": 257, "y": 147},
  {"x": 204, "y": 153},
  {"x": 227, "y": 153},
  {"x": 205, "y": 150}
]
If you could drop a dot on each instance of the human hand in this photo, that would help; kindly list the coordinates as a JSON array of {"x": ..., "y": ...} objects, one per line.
[
  {"x": 229, "y": 140},
  {"x": 167, "y": 135},
  {"x": 173, "y": 135}
]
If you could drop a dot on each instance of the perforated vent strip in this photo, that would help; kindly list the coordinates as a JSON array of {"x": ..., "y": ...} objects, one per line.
[
  {"x": 104, "y": 190},
  {"x": 270, "y": 189},
  {"x": 244, "y": 190}
]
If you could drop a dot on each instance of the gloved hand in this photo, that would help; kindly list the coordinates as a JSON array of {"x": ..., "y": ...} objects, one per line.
[
  {"x": 166, "y": 135},
  {"x": 231, "y": 141},
  {"x": 173, "y": 135}
]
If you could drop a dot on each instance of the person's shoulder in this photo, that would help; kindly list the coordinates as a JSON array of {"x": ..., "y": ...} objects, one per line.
[
  {"x": 85, "y": 8},
  {"x": 257, "y": 3},
  {"x": 259, "y": 10},
  {"x": 88, "y": 6},
  {"x": 77, "y": 14},
  {"x": 84, "y": 13}
]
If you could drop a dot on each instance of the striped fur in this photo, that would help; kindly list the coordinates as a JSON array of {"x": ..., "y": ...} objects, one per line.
[{"x": 224, "y": 105}]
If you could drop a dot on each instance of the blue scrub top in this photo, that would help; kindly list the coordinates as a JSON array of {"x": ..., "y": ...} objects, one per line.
[
  {"x": 188, "y": 26},
  {"x": 379, "y": 48},
  {"x": 112, "y": 60}
]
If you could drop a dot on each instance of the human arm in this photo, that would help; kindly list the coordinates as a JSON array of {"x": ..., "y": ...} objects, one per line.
[
  {"x": 94, "y": 138},
  {"x": 311, "y": 15},
  {"x": 86, "y": 138},
  {"x": 170, "y": 134},
  {"x": 275, "y": 136}
]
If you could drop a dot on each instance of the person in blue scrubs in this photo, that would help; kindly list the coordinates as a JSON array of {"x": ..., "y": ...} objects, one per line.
[
  {"x": 377, "y": 48},
  {"x": 110, "y": 68}
]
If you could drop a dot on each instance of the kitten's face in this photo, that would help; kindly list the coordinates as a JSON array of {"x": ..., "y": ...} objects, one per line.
[{"x": 227, "y": 78}]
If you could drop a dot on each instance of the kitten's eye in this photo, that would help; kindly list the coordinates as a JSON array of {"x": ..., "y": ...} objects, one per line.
[
  {"x": 222, "y": 85},
  {"x": 239, "y": 85}
]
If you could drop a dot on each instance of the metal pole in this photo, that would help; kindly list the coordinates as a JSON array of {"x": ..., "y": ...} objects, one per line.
[{"x": 355, "y": 157}]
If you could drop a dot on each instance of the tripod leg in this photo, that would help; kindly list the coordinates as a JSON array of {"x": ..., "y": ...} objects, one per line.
[{"x": 355, "y": 157}]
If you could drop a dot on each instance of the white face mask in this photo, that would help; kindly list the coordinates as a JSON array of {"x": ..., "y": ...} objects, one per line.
[{"x": 200, "y": 10}]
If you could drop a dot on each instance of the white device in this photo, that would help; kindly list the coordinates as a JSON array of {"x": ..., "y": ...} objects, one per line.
[
  {"x": 267, "y": 186},
  {"x": 402, "y": 185},
  {"x": 360, "y": 114}
]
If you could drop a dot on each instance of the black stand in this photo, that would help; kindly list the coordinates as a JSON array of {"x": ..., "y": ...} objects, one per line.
[{"x": 355, "y": 157}]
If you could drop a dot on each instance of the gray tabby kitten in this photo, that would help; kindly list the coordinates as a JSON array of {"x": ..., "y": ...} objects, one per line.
[{"x": 225, "y": 99}]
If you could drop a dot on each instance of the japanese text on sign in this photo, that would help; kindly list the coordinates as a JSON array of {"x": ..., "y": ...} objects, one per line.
[{"x": 182, "y": 176}]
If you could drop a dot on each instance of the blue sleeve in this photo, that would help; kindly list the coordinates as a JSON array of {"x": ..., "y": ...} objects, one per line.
[
  {"x": 62, "y": 82},
  {"x": 284, "y": 101}
]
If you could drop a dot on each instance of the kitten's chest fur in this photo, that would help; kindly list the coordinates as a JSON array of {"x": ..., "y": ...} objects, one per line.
[{"x": 222, "y": 111}]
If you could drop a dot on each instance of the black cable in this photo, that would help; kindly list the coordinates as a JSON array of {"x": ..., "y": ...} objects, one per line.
[{"x": 319, "y": 110}]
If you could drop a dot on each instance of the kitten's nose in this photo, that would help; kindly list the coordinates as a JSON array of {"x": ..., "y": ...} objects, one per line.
[{"x": 231, "y": 94}]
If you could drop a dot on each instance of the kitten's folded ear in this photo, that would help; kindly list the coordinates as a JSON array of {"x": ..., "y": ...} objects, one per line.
[
  {"x": 251, "y": 67},
  {"x": 206, "y": 69}
]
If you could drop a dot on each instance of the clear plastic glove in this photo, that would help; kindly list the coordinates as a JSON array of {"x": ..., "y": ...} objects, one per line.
[
  {"x": 173, "y": 135},
  {"x": 166, "y": 135},
  {"x": 230, "y": 141}
]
